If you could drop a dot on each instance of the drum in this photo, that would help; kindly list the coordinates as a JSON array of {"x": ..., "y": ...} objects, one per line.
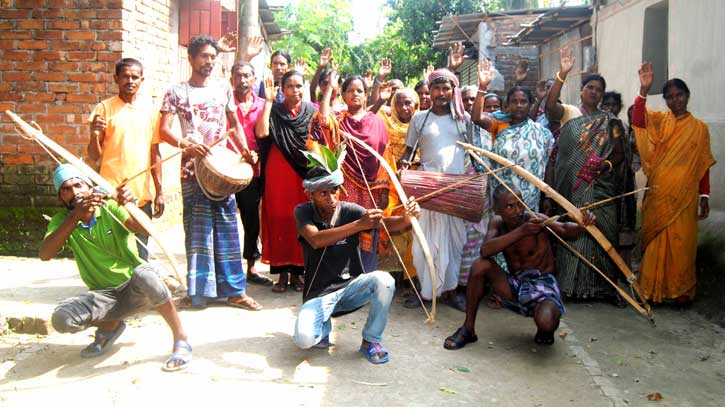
[
  {"x": 222, "y": 173},
  {"x": 467, "y": 200}
]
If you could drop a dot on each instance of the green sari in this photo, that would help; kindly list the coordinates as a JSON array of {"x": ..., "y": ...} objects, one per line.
[{"x": 591, "y": 137}]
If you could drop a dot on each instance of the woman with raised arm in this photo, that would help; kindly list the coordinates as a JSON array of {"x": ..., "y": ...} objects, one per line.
[
  {"x": 514, "y": 135},
  {"x": 591, "y": 165},
  {"x": 286, "y": 124},
  {"x": 360, "y": 168},
  {"x": 674, "y": 147}
]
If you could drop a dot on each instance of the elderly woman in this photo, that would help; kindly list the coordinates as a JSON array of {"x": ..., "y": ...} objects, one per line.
[
  {"x": 675, "y": 150},
  {"x": 591, "y": 165},
  {"x": 366, "y": 182},
  {"x": 286, "y": 125},
  {"x": 403, "y": 106}
]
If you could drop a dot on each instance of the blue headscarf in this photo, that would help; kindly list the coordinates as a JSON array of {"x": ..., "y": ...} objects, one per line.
[{"x": 64, "y": 172}]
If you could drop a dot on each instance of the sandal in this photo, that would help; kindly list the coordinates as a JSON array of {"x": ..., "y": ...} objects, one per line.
[
  {"x": 375, "y": 353},
  {"x": 259, "y": 279},
  {"x": 459, "y": 339},
  {"x": 297, "y": 284},
  {"x": 97, "y": 348},
  {"x": 617, "y": 301},
  {"x": 544, "y": 338},
  {"x": 182, "y": 353},
  {"x": 457, "y": 301},
  {"x": 324, "y": 343},
  {"x": 244, "y": 302},
  {"x": 279, "y": 288}
]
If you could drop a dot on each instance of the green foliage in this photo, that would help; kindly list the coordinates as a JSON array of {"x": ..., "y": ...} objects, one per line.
[{"x": 315, "y": 25}]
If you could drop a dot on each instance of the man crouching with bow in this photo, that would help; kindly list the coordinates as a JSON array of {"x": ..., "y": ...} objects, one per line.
[
  {"x": 530, "y": 289},
  {"x": 334, "y": 280},
  {"x": 120, "y": 283}
]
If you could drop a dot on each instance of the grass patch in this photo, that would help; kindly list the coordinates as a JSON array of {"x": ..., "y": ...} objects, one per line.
[{"x": 22, "y": 230}]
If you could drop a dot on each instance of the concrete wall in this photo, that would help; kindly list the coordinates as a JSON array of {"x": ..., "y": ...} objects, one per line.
[
  {"x": 695, "y": 41},
  {"x": 549, "y": 59}
]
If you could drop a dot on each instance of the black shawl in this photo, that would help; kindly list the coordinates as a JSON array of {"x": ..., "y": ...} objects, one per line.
[{"x": 289, "y": 133}]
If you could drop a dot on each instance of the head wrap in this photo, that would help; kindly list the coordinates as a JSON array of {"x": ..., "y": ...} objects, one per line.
[
  {"x": 325, "y": 168},
  {"x": 317, "y": 180},
  {"x": 457, "y": 101},
  {"x": 64, "y": 172}
]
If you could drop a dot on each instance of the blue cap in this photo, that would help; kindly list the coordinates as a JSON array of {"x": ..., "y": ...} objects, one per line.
[{"x": 64, "y": 172}]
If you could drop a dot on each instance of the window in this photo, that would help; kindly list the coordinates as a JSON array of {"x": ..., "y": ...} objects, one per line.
[{"x": 654, "y": 42}]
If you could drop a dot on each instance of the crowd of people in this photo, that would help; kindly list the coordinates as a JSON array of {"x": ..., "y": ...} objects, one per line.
[{"x": 324, "y": 207}]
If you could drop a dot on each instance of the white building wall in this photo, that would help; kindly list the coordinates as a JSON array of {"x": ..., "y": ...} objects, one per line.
[{"x": 696, "y": 42}]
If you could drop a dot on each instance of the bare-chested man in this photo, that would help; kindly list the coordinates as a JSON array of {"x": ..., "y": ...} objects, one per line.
[{"x": 531, "y": 289}]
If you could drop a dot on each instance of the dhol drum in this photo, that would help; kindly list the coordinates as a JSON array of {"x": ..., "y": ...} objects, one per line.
[
  {"x": 466, "y": 200},
  {"x": 222, "y": 173}
]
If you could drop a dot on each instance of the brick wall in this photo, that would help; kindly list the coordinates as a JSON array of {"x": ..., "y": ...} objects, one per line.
[{"x": 56, "y": 62}]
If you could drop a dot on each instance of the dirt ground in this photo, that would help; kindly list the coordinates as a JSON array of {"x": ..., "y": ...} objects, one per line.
[{"x": 603, "y": 356}]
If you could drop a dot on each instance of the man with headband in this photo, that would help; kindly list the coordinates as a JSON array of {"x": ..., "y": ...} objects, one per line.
[
  {"x": 334, "y": 280},
  {"x": 120, "y": 283},
  {"x": 436, "y": 132}
]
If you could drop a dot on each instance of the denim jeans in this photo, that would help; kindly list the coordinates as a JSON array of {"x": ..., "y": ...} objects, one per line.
[{"x": 314, "y": 320}]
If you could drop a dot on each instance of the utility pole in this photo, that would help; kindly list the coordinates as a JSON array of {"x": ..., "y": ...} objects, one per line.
[{"x": 247, "y": 24}]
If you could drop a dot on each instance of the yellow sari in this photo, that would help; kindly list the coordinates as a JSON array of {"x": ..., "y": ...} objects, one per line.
[{"x": 675, "y": 154}]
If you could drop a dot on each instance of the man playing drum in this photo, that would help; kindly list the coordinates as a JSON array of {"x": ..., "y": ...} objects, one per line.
[
  {"x": 212, "y": 237},
  {"x": 124, "y": 138}
]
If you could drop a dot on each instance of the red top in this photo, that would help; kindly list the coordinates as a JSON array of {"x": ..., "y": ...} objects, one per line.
[
  {"x": 248, "y": 121},
  {"x": 639, "y": 114}
]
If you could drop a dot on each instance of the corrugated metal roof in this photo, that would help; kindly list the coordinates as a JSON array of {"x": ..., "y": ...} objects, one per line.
[{"x": 551, "y": 24}]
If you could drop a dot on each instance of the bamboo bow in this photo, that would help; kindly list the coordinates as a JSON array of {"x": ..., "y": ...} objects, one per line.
[
  {"x": 136, "y": 213},
  {"x": 575, "y": 214},
  {"x": 413, "y": 221}
]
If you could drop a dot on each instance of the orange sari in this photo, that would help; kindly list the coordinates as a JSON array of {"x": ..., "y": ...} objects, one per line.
[{"x": 675, "y": 154}]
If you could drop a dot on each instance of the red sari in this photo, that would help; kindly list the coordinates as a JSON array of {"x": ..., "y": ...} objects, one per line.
[{"x": 283, "y": 174}]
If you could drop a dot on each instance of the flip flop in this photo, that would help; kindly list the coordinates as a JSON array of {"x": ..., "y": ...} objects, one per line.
[
  {"x": 96, "y": 349},
  {"x": 259, "y": 279},
  {"x": 246, "y": 303},
  {"x": 375, "y": 353},
  {"x": 544, "y": 339},
  {"x": 182, "y": 353},
  {"x": 324, "y": 343},
  {"x": 459, "y": 339},
  {"x": 279, "y": 288}
]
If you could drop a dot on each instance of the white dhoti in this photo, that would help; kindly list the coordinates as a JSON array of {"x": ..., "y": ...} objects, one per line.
[{"x": 446, "y": 236}]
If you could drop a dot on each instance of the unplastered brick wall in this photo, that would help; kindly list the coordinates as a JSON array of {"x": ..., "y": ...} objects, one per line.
[{"x": 56, "y": 62}]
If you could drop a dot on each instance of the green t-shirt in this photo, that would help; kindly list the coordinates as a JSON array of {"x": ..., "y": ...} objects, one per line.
[{"x": 106, "y": 254}]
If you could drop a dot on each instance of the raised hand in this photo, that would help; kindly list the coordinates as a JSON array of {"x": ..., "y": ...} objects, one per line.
[
  {"x": 228, "y": 43},
  {"x": 455, "y": 56},
  {"x": 368, "y": 78},
  {"x": 427, "y": 71},
  {"x": 255, "y": 44},
  {"x": 334, "y": 77},
  {"x": 566, "y": 60},
  {"x": 325, "y": 57},
  {"x": 270, "y": 91},
  {"x": 300, "y": 65},
  {"x": 485, "y": 73},
  {"x": 646, "y": 76},
  {"x": 386, "y": 67},
  {"x": 521, "y": 71},
  {"x": 385, "y": 91}
]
